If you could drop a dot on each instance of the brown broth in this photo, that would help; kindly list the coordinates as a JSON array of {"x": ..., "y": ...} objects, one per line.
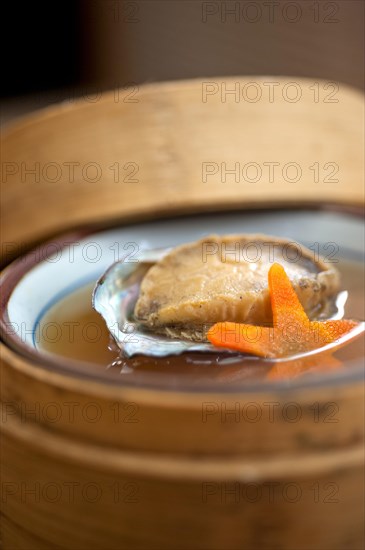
[{"x": 72, "y": 329}]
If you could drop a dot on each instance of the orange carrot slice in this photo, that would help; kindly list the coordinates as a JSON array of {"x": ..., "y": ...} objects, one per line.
[
  {"x": 252, "y": 339},
  {"x": 292, "y": 332},
  {"x": 286, "y": 307},
  {"x": 336, "y": 329}
]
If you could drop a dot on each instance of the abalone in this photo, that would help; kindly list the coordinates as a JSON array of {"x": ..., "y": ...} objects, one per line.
[{"x": 224, "y": 278}]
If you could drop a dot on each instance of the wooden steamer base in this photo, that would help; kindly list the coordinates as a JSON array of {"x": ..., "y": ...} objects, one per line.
[{"x": 162, "y": 469}]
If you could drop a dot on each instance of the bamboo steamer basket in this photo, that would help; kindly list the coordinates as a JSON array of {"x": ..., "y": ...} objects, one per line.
[{"x": 173, "y": 478}]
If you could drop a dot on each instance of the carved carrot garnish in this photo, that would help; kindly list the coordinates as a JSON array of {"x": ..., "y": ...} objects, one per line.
[{"x": 292, "y": 332}]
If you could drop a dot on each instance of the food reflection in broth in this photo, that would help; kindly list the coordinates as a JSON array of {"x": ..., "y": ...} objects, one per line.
[{"x": 72, "y": 329}]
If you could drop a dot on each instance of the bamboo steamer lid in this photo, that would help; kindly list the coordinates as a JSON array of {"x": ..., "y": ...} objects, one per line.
[
  {"x": 115, "y": 160},
  {"x": 178, "y": 470}
]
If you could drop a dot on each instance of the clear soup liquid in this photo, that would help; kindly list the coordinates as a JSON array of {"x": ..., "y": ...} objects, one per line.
[{"x": 72, "y": 329}]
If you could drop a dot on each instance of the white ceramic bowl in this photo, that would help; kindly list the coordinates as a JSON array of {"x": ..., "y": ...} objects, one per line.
[{"x": 33, "y": 284}]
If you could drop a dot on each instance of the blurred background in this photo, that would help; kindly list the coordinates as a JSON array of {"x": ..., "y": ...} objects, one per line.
[{"x": 61, "y": 50}]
